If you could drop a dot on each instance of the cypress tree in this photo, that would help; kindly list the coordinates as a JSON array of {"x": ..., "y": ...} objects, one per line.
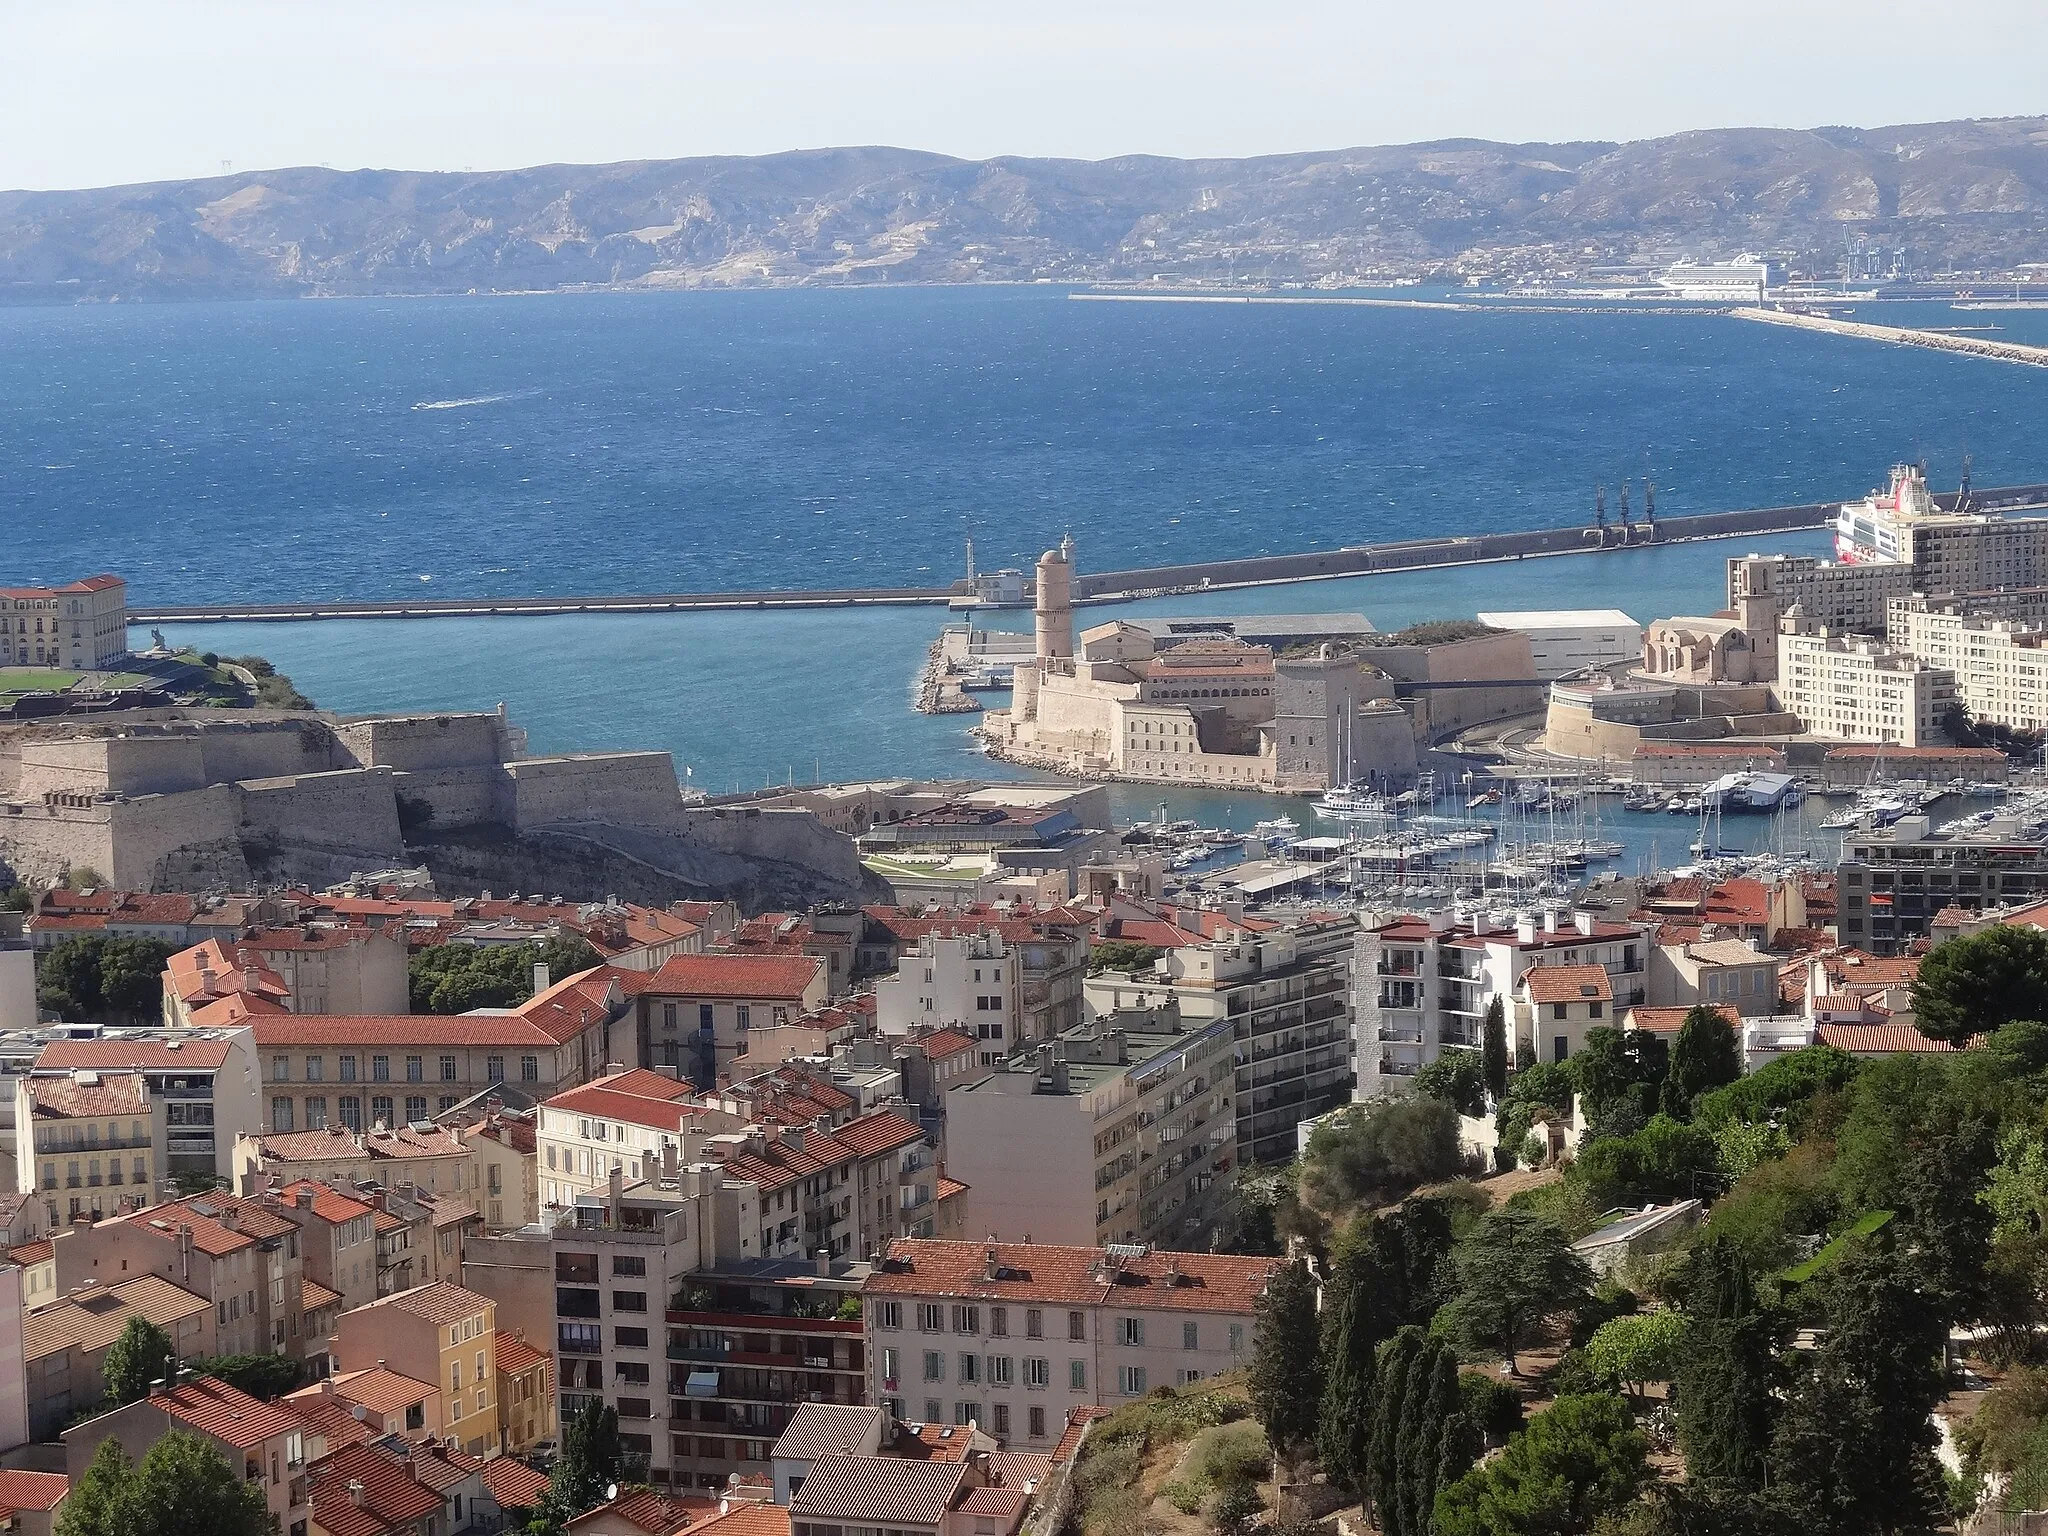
[
  {"x": 1457, "y": 1449},
  {"x": 1398, "y": 1360},
  {"x": 1494, "y": 1054},
  {"x": 1724, "y": 1383},
  {"x": 1286, "y": 1374},
  {"x": 1353, "y": 1326},
  {"x": 1432, "y": 1400}
]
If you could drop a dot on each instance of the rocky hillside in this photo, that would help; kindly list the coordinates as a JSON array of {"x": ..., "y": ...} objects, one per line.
[{"x": 1963, "y": 195}]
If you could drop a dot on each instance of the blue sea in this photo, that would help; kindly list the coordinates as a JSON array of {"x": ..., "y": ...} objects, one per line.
[{"x": 605, "y": 443}]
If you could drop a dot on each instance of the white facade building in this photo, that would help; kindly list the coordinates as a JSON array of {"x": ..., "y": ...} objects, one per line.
[
  {"x": 970, "y": 982},
  {"x": 1858, "y": 689},
  {"x": 2000, "y": 667},
  {"x": 1566, "y": 640}
]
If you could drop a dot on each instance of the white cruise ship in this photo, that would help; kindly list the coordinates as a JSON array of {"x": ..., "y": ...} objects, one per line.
[
  {"x": 1873, "y": 530},
  {"x": 1741, "y": 281}
]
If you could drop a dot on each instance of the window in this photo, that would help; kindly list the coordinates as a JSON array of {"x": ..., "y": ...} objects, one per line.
[
  {"x": 967, "y": 1319},
  {"x": 1035, "y": 1417},
  {"x": 494, "y": 1068},
  {"x": 668, "y": 1016},
  {"x": 1189, "y": 1336},
  {"x": 1130, "y": 1330},
  {"x": 970, "y": 1368},
  {"x": 629, "y": 1301},
  {"x": 1130, "y": 1380},
  {"x": 350, "y": 1107},
  {"x": 1077, "y": 1375},
  {"x": 1557, "y": 1010},
  {"x": 704, "y": 1028},
  {"x": 965, "y": 1413},
  {"x": 529, "y": 1069},
  {"x": 628, "y": 1264},
  {"x": 999, "y": 1371},
  {"x": 447, "y": 1069},
  {"x": 1034, "y": 1323},
  {"x": 743, "y": 1015},
  {"x": 1077, "y": 1325},
  {"x": 580, "y": 1338},
  {"x": 280, "y": 1114},
  {"x": 415, "y": 1069},
  {"x": 999, "y": 1321},
  {"x": 280, "y": 1069},
  {"x": 931, "y": 1317},
  {"x": 630, "y": 1338},
  {"x": 1002, "y": 1418},
  {"x": 446, "y": 1103},
  {"x": 1237, "y": 1338},
  {"x": 932, "y": 1414},
  {"x": 415, "y": 1107},
  {"x": 1037, "y": 1373},
  {"x": 380, "y": 1069},
  {"x": 348, "y": 1069},
  {"x": 380, "y": 1109},
  {"x": 316, "y": 1114},
  {"x": 316, "y": 1068},
  {"x": 934, "y": 1365},
  {"x": 888, "y": 1314}
]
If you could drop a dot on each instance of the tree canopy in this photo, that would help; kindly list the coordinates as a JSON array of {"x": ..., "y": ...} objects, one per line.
[
  {"x": 1707, "y": 1055},
  {"x": 454, "y": 978},
  {"x": 1974, "y": 984},
  {"x": 1514, "y": 1269},
  {"x": 1579, "y": 1460},
  {"x": 182, "y": 1485},
  {"x": 1458, "y": 1078},
  {"x": 1375, "y": 1153},
  {"x": 90, "y": 978},
  {"x": 141, "y": 1354},
  {"x": 1286, "y": 1376}
]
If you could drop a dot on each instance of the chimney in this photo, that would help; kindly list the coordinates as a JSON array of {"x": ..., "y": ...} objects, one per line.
[
  {"x": 993, "y": 1269},
  {"x": 1550, "y": 919},
  {"x": 824, "y": 1261},
  {"x": 355, "y": 1493},
  {"x": 1583, "y": 921},
  {"x": 611, "y": 1068},
  {"x": 668, "y": 1161},
  {"x": 540, "y": 977}
]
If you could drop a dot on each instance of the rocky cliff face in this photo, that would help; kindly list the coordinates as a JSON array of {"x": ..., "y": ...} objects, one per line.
[{"x": 1967, "y": 194}]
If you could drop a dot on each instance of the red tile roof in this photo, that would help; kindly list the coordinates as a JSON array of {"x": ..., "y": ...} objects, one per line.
[
  {"x": 197, "y": 1054},
  {"x": 328, "y": 1204},
  {"x": 313, "y": 1295},
  {"x": 1568, "y": 984},
  {"x": 111, "y": 1093},
  {"x": 392, "y": 1498},
  {"x": 1879, "y": 1039},
  {"x": 778, "y": 977},
  {"x": 513, "y": 1483},
  {"x": 399, "y": 1029},
  {"x": 942, "y": 1043},
  {"x": 32, "y": 1490},
  {"x": 746, "y": 1518},
  {"x": 877, "y": 1490},
  {"x": 643, "y": 1509},
  {"x": 1667, "y": 1021},
  {"x": 441, "y": 1302},
  {"x": 37, "y": 1252},
  {"x": 329, "y": 1416},
  {"x": 1048, "y": 1272},
  {"x": 1078, "y": 1420},
  {"x": 516, "y": 1355},
  {"x": 227, "y": 1413},
  {"x": 377, "y": 1388}
]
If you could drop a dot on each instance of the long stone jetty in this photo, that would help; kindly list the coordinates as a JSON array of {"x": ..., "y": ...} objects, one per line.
[
  {"x": 1939, "y": 341},
  {"x": 1105, "y": 586}
]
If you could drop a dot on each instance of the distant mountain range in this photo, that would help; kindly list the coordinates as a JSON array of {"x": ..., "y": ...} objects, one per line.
[{"x": 1964, "y": 195}]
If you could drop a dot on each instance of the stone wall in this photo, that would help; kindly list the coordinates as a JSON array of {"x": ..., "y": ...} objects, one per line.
[
  {"x": 352, "y": 809},
  {"x": 423, "y": 743},
  {"x": 623, "y": 788},
  {"x": 147, "y": 833}
]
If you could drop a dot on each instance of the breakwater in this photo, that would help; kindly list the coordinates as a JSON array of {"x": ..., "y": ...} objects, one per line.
[
  {"x": 1939, "y": 341},
  {"x": 1111, "y": 586}
]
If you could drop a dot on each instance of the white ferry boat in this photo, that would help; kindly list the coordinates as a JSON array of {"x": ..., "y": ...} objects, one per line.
[
  {"x": 1351, "y": 803},
  {"x": 1873, "y": 530}
]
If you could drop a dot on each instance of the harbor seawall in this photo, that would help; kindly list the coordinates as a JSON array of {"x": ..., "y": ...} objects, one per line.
[{"x": 1106, "y": 586}]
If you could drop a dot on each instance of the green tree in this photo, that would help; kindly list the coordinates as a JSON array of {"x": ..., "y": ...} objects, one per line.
[
  {"x": 1458, "y": 1078},
  {"x": 92, "y": 978},
  {"x": 1642, "y": 1347},
  {"x": 1973, "y": 985},
  {"x": 1286, "y": 1377},
  {"x": 1575, "y": 1463},
  {"x": 1401, "y": 1362},
  {"x": 261, "y": 1376},
  {"x": 17, "y": 898},
  {"x": 1494, "y": 1050},
  {"x": 1780, "y": 1090},
  {"x": 1618, "y": 1075},
  {"x": 1663, "y": 1161},
  {"x": 1355, "y": 1319},
  {"x": 1373, "y": 1154},
  {"x": 1514, "y": 1270},
  {"x": 454, "y": 978},
  {"x": 1707, "y": 1055},
  {"x": 1434, "y": 1438},
  {"x": 1726, "y": 1373},
  {"x": 142, "y": 1353},
  {"x": 590, "y": 1462},
  {"x": 183, "y": 1484},
  {"x": 1122, "y": 955}
]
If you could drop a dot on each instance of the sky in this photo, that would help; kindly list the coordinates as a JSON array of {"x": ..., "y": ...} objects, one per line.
[{"x": 104, "y": 92}]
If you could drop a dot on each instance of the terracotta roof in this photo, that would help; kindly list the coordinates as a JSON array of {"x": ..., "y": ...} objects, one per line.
[
  {"x": 392, "y": 1498},
  {"x": 197, "y": 1054},
  {"x": 91, "y": 1320},
  {"x": 1917, "y": 754},
  {"x": 643, "y": 1509},
  {"x": 1048, "y": 1272},
  {"x": 1078, "y": 1420},
  {"x": 745, "y": 1517},
  {"x": 328, "y": 1204},
  {"x": 1568, "y": 984},
  {"x": 948, "y": 1187},
  {"x": 111, "y": 1094},
  {"x": 516, "y": 1355},
  {"x": 37, "y": 1252},
  {"x": 227, "y": 1413},
  {"x": 1879, "y": 1039},
  {"x": 442, "y": 1466},
  {"x": 873, "y": 1134},
  {"x": 1005, "y": 1504},
  {"x": 336, "y": 1144},
  {"x": 32, "y": 1490},
  {"x": 1668, "y": 1021},
  {"x": 598, "y": 1101},
  {"x": 941, "y": 1043},
  {"x": 313, "y": 1295},
  {"x": 330, "y": 1416},
  {"x": 785, "y": 977},
  {"x": 513, "y": 1483},
  {"x": 440, "y": 1302},
  {"x": 377, "y": 1388},
  {"x": 778, "y": 1164},
  {"x": 399, "y": 1029},
  {"x": 877, "y": 1490}
]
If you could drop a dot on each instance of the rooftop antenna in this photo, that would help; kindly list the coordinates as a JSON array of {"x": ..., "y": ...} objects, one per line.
[{"x": 970, "y": 557}]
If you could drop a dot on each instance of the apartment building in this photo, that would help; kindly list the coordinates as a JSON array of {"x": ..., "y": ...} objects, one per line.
[
  {"x": 89, "y": 1143},
  {"x": 1285, "y": 991},
  {"x": 1425, "y": 981},
  {"x": 1011, "y": 1336},
  {"x": 939, "y": 1496},
  {"x": 64, "y": 1345},
  {"x": 81, "y": 626},
  {"x": 390, "y": 1403},
  {"x": 2000, "y": 664},
  {"x": 1047, "y": 945},
  {"x": 843, "y": 1193},
  {"x": 526, "y": 1395},
  {"x": 1555, "y": 1006},
  {"x": 330, "y": 968},
  {"x": 956, "y": 983},
  {"x": 615, "y": 1122},
  {"x": 205, "y": 1080},
  {"x": 1860, "y": 689},
  {"x": 1733, "y": 971},
  {"x": 357, "y": 1072},
  {"x": 1892, "y": 881},
  {"x": 428, "y": 1157},
  {"x": 694, "y": 1013},
  {"x": 337, "y": 1240},
  {"x": 504, "y": 1147},
  {"x": 264, "y": 1443},
  {"x": 1120, "y": 1130},
  {"x": 238, "y": 1254},
  {"x": 454, "y": 1328}
]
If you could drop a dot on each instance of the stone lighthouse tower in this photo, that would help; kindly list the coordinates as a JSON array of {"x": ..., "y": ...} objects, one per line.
[{"x": 1054, "y": 607}]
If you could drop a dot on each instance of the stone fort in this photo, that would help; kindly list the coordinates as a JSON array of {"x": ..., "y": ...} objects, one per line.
[{"x": 197, "y": 799}]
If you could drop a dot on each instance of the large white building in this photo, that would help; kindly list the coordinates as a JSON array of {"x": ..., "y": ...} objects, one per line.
[
  {"x": 1859, "y": 689},
  {"x": 2000, "y": 665},
  {"x": 971, "y": 982},
  {"x": 1424, "y": 982},
  {"x": 81, "y": 626},
  {"x": 1567, "y": 640}
]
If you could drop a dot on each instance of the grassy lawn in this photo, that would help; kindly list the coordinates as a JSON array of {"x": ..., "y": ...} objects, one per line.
[{"x": 35, "y": 679}]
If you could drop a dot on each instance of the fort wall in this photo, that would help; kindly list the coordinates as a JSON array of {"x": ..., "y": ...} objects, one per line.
[
  {"x": 355, "y": 809},
  {"x": 424, "y": 743},
  {"x": 627, "y": 788}
]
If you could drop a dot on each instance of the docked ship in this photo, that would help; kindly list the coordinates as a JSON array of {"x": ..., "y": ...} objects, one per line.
[{"x": 1873, "y": 530}]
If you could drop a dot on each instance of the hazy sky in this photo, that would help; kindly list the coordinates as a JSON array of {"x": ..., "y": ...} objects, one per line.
[{"x": 105, "y": 91}]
